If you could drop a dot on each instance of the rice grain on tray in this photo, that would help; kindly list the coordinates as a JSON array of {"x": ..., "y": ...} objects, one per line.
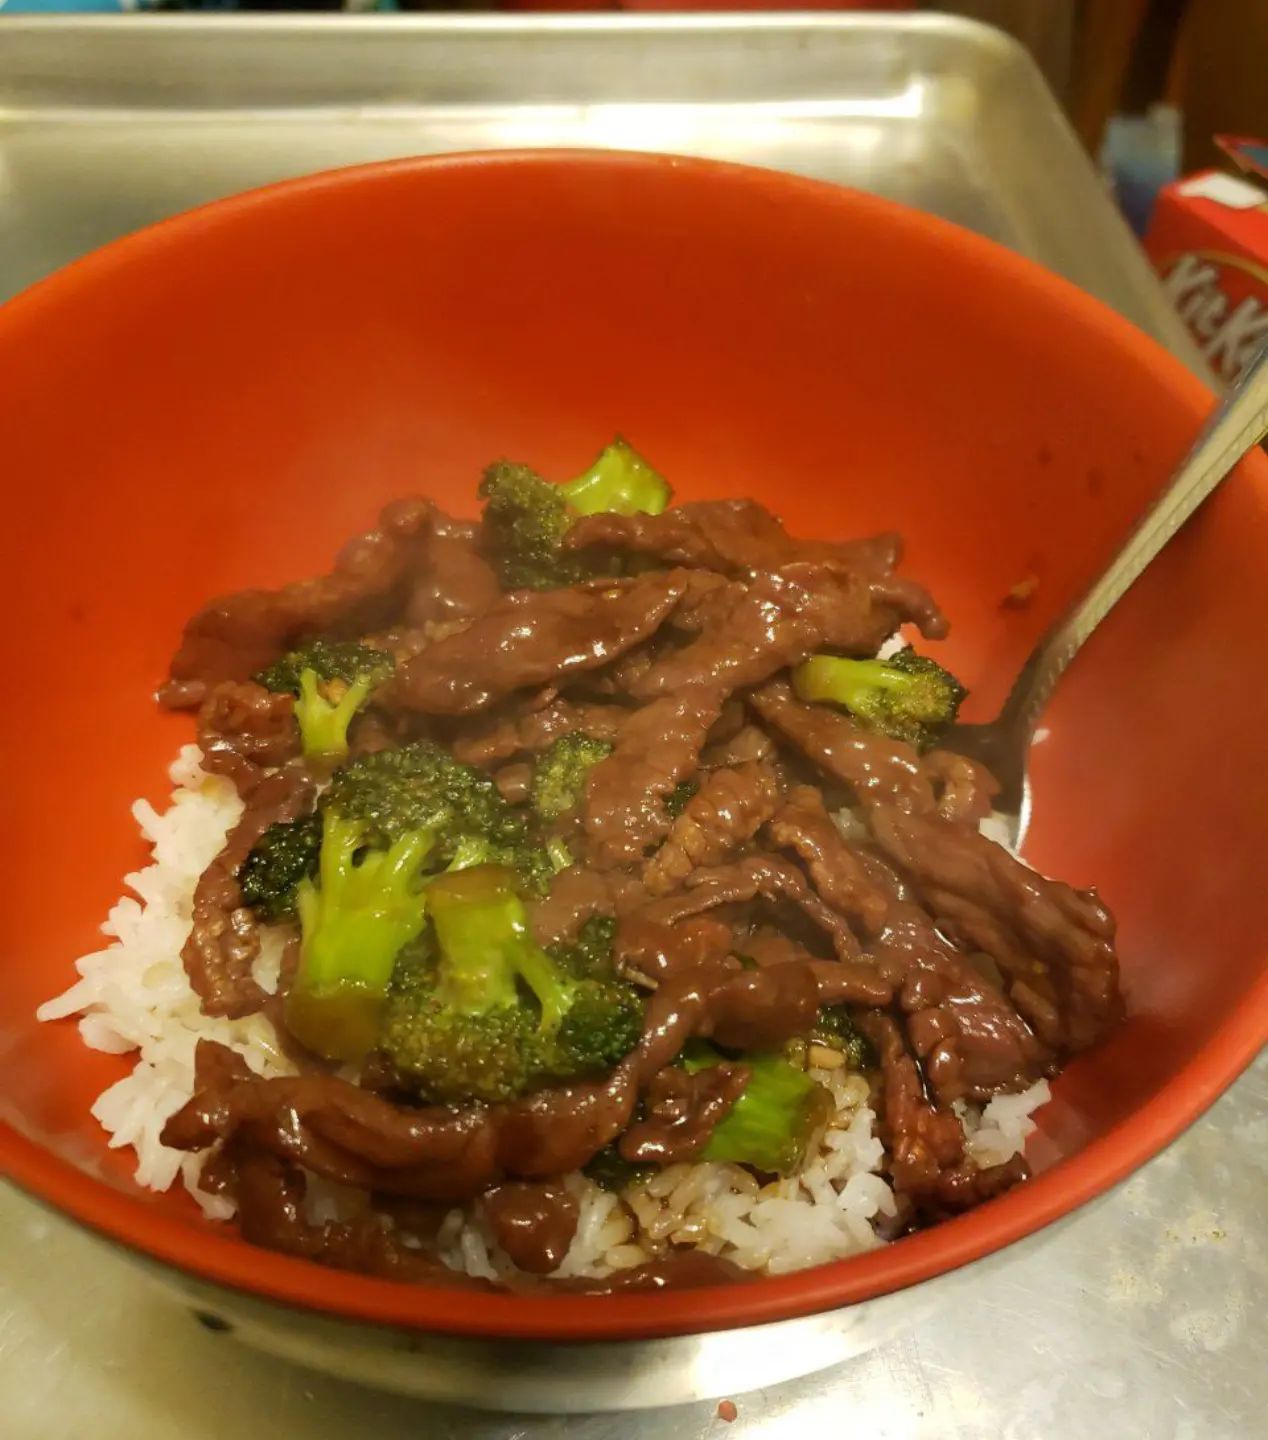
[{"x": 133, "y": 997}]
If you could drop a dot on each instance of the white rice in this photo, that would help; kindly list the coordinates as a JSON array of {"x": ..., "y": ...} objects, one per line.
[{"x": 134, "y": 997}]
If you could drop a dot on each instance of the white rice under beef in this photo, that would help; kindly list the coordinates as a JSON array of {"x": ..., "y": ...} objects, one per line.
[{"x": 133, "y": 997}]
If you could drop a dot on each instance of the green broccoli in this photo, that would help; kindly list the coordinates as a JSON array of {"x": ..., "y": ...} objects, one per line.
[
  {"x": 592, "y": 950},
  {"x": 620, "y": 482},
  {"x": 907, "y": 697},
  {"x": 770, "y": 1126},
  {"x": 391, "y": 822},
  {"x": 366, "y": 907},
  {"x": 610, "y": 1170},
  {"x": 835, "y": 1030},
  {"x": 526, "y": 517},
  {"x": 283, "y": 856},
  {"x": 559, "y": 775},
  {"x": 332, "y": 679},
  {"x": 421, "y": 786},
  {"x": 485, "y": 1014}
]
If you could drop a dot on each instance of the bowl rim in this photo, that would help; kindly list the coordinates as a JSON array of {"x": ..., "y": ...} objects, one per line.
[{"x": 226, "y": 1260}]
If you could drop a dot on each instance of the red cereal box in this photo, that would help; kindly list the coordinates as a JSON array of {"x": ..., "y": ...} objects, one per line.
[{"x": 1208, "y": 239}]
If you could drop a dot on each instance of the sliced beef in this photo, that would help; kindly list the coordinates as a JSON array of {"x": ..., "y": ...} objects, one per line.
[
  {"x": 649, "y": 950},
  {"x": 578, "y": 893},
  {"x": 804, "y": 826},
  {"x": 454, "y": 583},
  {"x": 657, "y": 747},
  {"x": 965, "y": 790},
  {"x": 534, "y": 1223},
  {"x": 532, "y": 637},
  {"x": 877, "y": 770},
  {"x": 749, "y": 1009},
  {"x": 728, "y": 810},
  {"x": 970, "y": 1039},
  {"x": 245, "y": 730},
  {"x": 223, "y": 941},
  {"x": 527, "y": 729},
  {"x": 735, "y": 537},
  {"x": 235, "y": 636},
  {"x": 681, "y": 1112},
  {"x": 781, "y": 618},
  {"x": 760, "y": 876},
  {"x": 1054, "y": 944},
  {"x": 748, "y": 745},
  {"x": 926, "y": 1144}
]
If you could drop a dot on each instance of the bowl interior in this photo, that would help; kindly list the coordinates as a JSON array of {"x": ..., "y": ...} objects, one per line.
[{"x": 218, "y": 402}]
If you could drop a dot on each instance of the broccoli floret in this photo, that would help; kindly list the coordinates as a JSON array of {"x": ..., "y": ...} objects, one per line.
[
  {"x": 773, "y": 1121},
  {"x": 332, "y": 679},
  {"x": 283, "y": 856},
  {"x": 907, "y": 697},
  {"x": 591, "y": 952},
  {"x": 391, "y": 822},
  {"x": 835, "y": 1029},
  {"x": 620, "y": 482},
  {"x": 366, "y": 907},
  {"x": 611, "y": 1171},
  {"x": 422, "y": 787},
  {"x": 486, "y": 1014},
  {"x": 526, "y": 517},
  {"x": 559, "y": 776}
]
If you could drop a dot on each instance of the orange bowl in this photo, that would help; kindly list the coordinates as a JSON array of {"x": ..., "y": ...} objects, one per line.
[{"x": 216, "y": 402}]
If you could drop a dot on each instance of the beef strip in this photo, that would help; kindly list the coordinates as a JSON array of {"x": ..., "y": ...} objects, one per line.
[
  {"x": 245, "y": 730},
  {"x": 1054, "y": 944},
  {"x": 270, "y": 1194},
  {"x": 734, "y": 537},
  {"x": 748, "y": 745},
  {"x": 926, "y": 1144},
  {"x": 740, "y": 537},
  {"x": 534, "y": 1223},
  {"x": 531, "y": 637},
  {"x": 575, "y": 895},
  {"x": 681, "y": 1112},
  {"x": 455, "y": 583},
  {"x": 876, "y": 769},
  {"x": 233, "y": 637},
  {"x": 781, "y": 618},
  {"x": 656, "y": 748},
  {"x": 768, "y": 877},
  {"x": 523, "y": 730},
  {"x": 965, "y": 790},
  {"x": 223, "y": 940},
  {"x": 804, "y": 826},
  {"x": 970, "y": 1040},
  {"x": 728, "y": 810},
  {"x": 649, "y": 950}
]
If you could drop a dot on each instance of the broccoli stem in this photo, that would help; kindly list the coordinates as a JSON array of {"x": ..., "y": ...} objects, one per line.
[
  {"x": 482, "y": 930},
  {"x": 907, "y": 697},
  {"x": 354, "y": 924},
  {"x": 840, "y": 681},
  {"x": 323, "y": 724},
  {"x": 773, "y": 1121},
  {"x": 619, "y": 482}
]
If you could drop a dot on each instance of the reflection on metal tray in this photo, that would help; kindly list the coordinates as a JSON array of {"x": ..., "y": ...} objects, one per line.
[
  {"x": 107, "y": 126},
  {"x": 1142, "y": 1312}
]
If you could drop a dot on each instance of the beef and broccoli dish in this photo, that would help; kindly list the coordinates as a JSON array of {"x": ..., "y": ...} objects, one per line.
[{"x": 579, "y": 896}]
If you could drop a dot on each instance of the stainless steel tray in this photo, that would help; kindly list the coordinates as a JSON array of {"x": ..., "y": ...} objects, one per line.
[{"x": 1144, "y": 1318}]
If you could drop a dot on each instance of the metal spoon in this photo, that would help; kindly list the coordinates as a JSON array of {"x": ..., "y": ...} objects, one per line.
[{"x": 1004, "y": 744}]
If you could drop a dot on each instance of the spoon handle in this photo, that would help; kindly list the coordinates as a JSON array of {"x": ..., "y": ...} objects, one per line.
[{"x": 1240, "y": 422}]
